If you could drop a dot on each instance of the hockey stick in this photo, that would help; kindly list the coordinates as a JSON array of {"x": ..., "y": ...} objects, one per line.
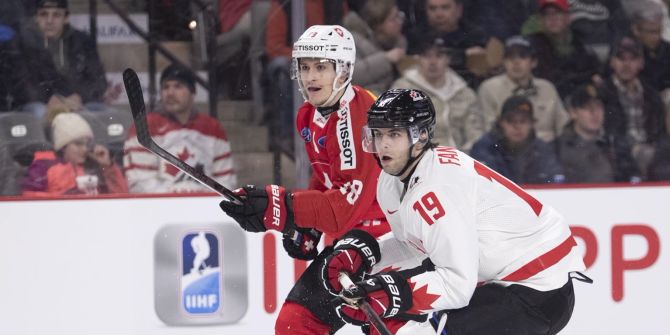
[
  {"x": 136, "y": 100},
  {"x": 363, "y": 305}
]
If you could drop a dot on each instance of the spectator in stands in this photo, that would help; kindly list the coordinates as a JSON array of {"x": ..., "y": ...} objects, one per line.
[
  {"x": 502, "y": 19},
  {"x": 73, "y": 52},
  {"x": 632, "y": 6},
  {"x": 597, "y": 24},
  {"x": 380, "y": 45},
  {"x": 466, "y": 41},
  {"x": 518, "y": 79},
  {"x": 634, "y": 108},
  {"x": 76, "y": 166},
  {"x": 278, "y": 47},
  {"x": 196, "y": 138},
  {"x": 587, "y": 154},
  {"x": 561, "y": 58},
  {"x": 457, "y": 125},
  {"x": 512, "y": 149},
  {"x": 647, "y": 26},
  {"x": 28, "y": 77}
]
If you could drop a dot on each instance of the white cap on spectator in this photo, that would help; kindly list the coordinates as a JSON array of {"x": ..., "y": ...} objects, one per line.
[{"x": 67, "y": 127}]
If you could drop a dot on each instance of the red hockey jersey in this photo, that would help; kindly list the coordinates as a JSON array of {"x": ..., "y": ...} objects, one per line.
[{"x": 344, "y": 177}]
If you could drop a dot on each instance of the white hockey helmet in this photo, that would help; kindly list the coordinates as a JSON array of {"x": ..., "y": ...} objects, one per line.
[{"x": 330, "y": 42}]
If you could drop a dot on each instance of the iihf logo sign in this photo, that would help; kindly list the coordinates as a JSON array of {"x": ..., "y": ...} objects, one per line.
[{"x": 201, "y": 273}]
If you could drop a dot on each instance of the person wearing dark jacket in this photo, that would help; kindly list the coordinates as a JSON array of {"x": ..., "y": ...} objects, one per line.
[
  {"x": 467, "y": 42},
  {"x": 634, "y": 109},
  {"x": 587, "y": 154},
  {"x": 512, "y": 149},
  {"x": 73, "y": 52},
  {"x": 561, "y": 58}
]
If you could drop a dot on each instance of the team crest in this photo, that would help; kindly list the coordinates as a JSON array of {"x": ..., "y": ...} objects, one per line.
[{"x": 415, "y": 95}]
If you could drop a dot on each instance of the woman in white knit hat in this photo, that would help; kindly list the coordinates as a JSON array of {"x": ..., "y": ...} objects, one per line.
[{"x": 76, "y": 165}]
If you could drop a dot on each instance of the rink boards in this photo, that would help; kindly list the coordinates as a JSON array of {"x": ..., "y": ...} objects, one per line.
[{"x": 138, "y": 265}]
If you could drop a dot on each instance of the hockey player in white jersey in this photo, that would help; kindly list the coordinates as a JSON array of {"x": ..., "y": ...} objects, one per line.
[{"x": 496, "y": 259}]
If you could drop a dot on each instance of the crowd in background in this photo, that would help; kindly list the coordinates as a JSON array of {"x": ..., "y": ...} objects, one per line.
[{"x": 543, "y": 91}]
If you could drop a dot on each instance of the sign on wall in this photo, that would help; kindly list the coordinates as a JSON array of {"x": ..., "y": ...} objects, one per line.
[
  {"x": 111, "y": 29},
  {"x": 100, "y": 266}
]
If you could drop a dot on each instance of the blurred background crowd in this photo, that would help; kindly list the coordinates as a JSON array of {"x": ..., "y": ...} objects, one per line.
[{"x": 542, "y": 91}]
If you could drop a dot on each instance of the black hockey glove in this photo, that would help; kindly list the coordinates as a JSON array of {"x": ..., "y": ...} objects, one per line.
[
  {"x": 355, "y": 254},
  {"x": 301, "y": 244},
  {"x": 388, "y": 294},
  {"x": 262, "y": 209}
]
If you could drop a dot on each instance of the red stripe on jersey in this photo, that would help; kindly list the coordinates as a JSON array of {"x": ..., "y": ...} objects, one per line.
[
  {"x": 224, "y": 156},
  {"x": 141, "y": 167},
  {"x": 543, "y": 262},
  {"x": 134, "y": 149},
  {"x": 223, "y": 173}
]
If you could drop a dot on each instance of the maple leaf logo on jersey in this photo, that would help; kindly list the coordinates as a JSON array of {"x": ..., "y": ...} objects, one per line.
[
  {"x": 184, "y": 155},
  {"x": 421, "y": 299}
]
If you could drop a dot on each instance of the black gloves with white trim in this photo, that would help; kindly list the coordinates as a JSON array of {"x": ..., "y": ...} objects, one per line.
[
  {"x": 388, "y": 294},
  {"x": 270, "y": 208},
  {"x": 355, "y": 254},
  {"x": 263, "y": 209}
]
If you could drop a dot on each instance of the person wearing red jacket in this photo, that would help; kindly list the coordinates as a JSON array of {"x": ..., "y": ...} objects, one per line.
[{"x": 341, "y": 195}]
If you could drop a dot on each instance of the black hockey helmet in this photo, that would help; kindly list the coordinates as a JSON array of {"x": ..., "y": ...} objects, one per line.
[{"x": 402, "y": 108}]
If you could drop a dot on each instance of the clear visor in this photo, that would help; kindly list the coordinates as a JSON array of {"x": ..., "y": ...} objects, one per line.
[{"x": 375, "y": 139}]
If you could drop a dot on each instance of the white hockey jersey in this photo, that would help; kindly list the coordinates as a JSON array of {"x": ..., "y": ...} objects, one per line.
[
  {"x": 476, "y": 227},
  {"x": 201, "y": 142}
]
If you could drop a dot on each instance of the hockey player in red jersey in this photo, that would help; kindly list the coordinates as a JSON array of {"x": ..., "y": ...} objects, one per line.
[
  {"x": 492, "y": 257},
  {"x": 341, "y": 194}
]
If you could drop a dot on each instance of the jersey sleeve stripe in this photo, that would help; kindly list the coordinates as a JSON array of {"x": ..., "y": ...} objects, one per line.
[
  {"x": 224, "y": 156},
  {"x": 542, "y": 262},
  {"x": 141, "y": 167},
  {"x": 224, "y": 173}
]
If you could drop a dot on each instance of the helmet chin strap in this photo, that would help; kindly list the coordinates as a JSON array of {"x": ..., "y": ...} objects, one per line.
[{"x": 411, "y": 159}]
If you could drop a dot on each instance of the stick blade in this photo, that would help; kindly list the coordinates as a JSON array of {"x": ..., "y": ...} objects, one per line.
[{"x": 136, "y": 99}]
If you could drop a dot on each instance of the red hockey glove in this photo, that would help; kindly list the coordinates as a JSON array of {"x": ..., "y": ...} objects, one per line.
[
  {"x": 262, "y": 209},
  {"x": 387, "y": 293},
  {"x": 354, "y": 254},
  {"x": 302, "y": 243}
]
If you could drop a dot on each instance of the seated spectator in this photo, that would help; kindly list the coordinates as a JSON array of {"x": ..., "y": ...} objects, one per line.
[
  {"x": 457, "y": 125},
  {"x": 73, "y": 52},
  {"x": 597, "y": 24},
  {"x": 634, "y": 108},
  {"x": 179, "y": 128},
  {"x": 28, "y": 77},
  {"x": 646, "y": 26},
  {"x": 518, "y": 79},
  {"x": 380, "y": 45},
  {"x": 76, "y": 166},
  {"x": 561, "y": 58},
  {"x": 502, "y": 19},
  {"x": 512, "y": 149},
  {"x": 471, "y": 57},
  {"x": 278, "y": 48},
  {"x": 587, "y": 154},
  {"x": 632, "y": 6}
]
